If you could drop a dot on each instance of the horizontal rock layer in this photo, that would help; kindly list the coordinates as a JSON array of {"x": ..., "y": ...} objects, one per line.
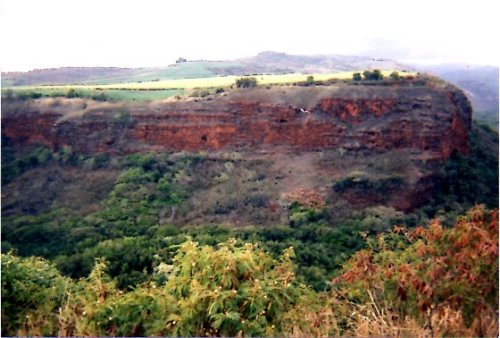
[{"x": 379, "y": 118}]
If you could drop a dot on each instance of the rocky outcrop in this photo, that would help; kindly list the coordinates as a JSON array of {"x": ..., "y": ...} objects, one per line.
[{"x": 373, "y": 118}]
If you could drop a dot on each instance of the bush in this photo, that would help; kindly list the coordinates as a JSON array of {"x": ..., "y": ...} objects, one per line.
[
  {"x": 66, "y": 154},
  {"x": 32, "y": 290},
  {"x": 14, "y": 165},
  {"x": 374, "y": 75},
  {"x": 395, "y": 76},
  {"x": 432, "y": 274},
  {"x": 246, "y": 82},
  {"x": 233, "y": 290},
  {"x": 71, "y": 93},
  {"x": 145, "y": 161},
  {"x": 302, "y": 215},
  {"x": 432, "y": 281}
]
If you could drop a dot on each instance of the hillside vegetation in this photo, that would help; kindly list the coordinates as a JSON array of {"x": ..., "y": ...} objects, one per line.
[
  {"x": 427, "y": 281},
  {"x": 101, "y": 237},
  {"x": 74, "y": 208}
]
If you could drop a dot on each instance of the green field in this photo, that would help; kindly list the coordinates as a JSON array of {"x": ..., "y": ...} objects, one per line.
[
  {"x": 186, "y": 70},
  {"x": 155, "y": 90},
  {"x": 103, "y": 95},
  {"x": 109, "y": 75}
]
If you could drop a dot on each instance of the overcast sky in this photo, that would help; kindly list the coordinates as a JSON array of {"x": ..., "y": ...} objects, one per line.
[{"x": 56, "y": 33}]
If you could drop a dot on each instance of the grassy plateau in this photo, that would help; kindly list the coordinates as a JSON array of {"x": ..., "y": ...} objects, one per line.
[{"x": 162, "y": 89}]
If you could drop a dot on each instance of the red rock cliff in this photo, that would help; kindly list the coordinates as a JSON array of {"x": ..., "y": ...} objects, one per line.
[{"x": 378, "y": 118}]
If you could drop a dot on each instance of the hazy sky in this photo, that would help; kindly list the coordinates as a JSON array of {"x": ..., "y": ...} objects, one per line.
[{"x": 54, "y": 33}]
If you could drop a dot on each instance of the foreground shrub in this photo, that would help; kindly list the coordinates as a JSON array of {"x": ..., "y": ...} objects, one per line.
[
  {"x": 231, "y": 290},
  {"x": 429, "y": 281},
  {"x": 32, "y": 290},
  {"x": 444, "y": 280},
  {"x": 234, "y": 290},
  {"x": 95, "y": 307}
]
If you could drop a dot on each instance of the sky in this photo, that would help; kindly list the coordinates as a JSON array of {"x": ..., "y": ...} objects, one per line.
[{"x": 148, "y": 33}]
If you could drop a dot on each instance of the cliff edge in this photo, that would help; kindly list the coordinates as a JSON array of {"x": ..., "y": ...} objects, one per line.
[{"x": 433, "y": 120}]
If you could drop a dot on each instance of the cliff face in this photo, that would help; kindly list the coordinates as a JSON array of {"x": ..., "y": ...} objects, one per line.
[
  {"x": 375, "y": 118},
  {"x": 291, "y": 141}
]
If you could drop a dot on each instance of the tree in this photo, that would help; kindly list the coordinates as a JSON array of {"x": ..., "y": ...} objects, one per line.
[
  {"x": 310, "y": 80},
  {"x": 246, "y": 82},
  {"x": 377, "y": 75},
  {"x": 395, "y": 76},
  {"x": 356, "y": 77},
  {"x": 374, "y": 75}
]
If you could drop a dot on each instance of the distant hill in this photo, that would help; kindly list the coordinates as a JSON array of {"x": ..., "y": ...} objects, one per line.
[
  {"x": 273, "y": 62},
  {"x": 64, "y": 75},
  {"x": 480, "y": 83},
  {"x": 266, "y": 62},
  {"x": 106, "y": 75}
]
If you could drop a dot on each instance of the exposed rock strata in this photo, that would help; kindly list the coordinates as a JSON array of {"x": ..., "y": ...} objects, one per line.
[{"x": 378, "y": 118}]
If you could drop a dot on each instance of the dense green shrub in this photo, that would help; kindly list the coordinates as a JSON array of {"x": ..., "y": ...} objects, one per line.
[
  {"x": 356, "y": 77},
  {"x": 246, "y": 82},
  {"x": 467, "y": 180},
  {"x": 395, "y": 76},
  {"x": 234, "y": 289},
  {"x": 32, "y": 291},
  {"x": 14, "y": 164},
  {"x": 414, "y": 281},
  {"x": 374, "y": 75}
]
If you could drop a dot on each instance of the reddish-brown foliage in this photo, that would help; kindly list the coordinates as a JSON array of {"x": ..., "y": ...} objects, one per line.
[{"x": 440, "y": 270}]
